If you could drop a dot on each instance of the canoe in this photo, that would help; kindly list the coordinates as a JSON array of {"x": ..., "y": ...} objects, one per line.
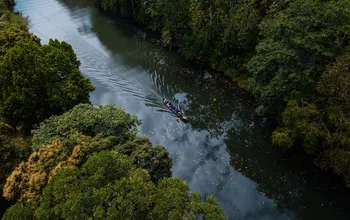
[{"x": 179, "y": 114}]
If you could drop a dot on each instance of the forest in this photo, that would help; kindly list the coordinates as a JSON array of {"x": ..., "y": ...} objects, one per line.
[
  {"x": 63, "y": 158},
  {"x": 292, "y": 55}
]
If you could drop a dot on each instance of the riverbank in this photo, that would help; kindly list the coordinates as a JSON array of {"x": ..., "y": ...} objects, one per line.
[
  {"x": 9, "y": 19},
  {"x": 285, "y": 53},
  {"x": 228, "y": 64},
  {"x": 236, "y": 162},
  {"x": 49, "y": 129}
]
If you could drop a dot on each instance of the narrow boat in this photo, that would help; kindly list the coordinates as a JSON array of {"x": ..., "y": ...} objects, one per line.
[{"x": 174, "y": 110}]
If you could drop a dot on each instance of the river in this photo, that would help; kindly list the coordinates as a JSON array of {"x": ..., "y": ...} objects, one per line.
[{"x": 224, "y": 149}]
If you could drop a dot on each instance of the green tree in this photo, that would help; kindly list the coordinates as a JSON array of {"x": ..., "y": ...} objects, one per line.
[
  {"x": 88, "y": 120},
  {"x": 155, "y": 160},
  {"x": 109, "y": 187},
  {"x": 38, "y": 81},
  {"x": 11, "y": 36},
  {"x": 322, "y": 124},
  {"x": 29, "y": 177},
  {"x": 63, "y": 141},
  {"x": 9, "y": 19},
  {"x": 19, "y": 211},
  {"x": 220, "y": 33},
  {"x": 298, "y": 42},
  {"x": 125, "y": 8},
  {"x": 12, "y": 151}
]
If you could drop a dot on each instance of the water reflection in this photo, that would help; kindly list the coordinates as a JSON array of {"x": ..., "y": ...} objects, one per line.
[
  {"x": 224, "y": 149},
  {"x": 208, "y": 100}
]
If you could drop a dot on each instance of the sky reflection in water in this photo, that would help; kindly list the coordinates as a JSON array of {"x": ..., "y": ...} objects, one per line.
[{"x": 223, "y": 150}]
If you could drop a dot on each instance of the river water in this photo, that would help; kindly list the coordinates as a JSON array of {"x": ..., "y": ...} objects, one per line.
[{"x": 224, "y": 149}]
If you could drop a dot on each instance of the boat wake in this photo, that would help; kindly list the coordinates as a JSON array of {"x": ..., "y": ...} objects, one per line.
[{"x": 109, "y": 69}]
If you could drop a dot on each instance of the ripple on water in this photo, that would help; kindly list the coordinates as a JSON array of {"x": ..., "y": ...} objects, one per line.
[{"x": 223, "y": 150}]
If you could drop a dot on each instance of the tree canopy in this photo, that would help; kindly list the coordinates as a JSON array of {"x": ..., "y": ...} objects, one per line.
[
  {"x": 19, "y": 211},
  {"x": 322, "y": 123},
  {"x": 219, "y": 33},
  {"x": 12, "y": 151},
  {"x": 108, "y": 186},
  {"x": 10, "y": 36},
  {"x": 292, "y": 55},
  {"x": 87, "y": 162},
  {"x": 88, "y": 120},
  {"x": 103, "y": 171},
  {"x": 153, "y": 159},
  {"x": 69, "y": 139},
  {"x": 298, "y": 42},
  {"x": 9, "y": 19},
  {"x": 39, "y": 81}
]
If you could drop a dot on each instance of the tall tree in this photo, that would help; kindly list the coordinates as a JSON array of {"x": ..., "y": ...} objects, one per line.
[
  {"x": 13, "y": 150},
  {"x": 19, "y": 211},
  {"x": 109, "y": 187},
  {"x": 39, "y": 81},
  {"x": 322, "y": 124},
  {"x": 88, "y": 120},
  {"x": 10, "y": 36},
  {"x": 298, "y": 42},
  {"x": 69, "y": 139},
  {"x": 155, "y": 160}
]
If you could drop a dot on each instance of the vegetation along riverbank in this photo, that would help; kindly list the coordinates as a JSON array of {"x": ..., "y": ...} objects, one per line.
[
  {"x": 61, "y": 157},
  {"x": 294, "y": 55}
]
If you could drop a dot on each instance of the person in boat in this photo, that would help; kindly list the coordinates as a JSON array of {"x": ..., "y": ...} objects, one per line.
[
  {"x": 171, "y": 106},
  {"x": 176, "y": 110},
  {"x": 167, "y": 103}
]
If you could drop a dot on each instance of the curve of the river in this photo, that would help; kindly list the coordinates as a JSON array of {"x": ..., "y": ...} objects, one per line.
[{"x": 223, "y": 150}]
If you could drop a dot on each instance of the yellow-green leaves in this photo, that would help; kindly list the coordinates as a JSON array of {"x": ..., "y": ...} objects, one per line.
[
  {"x": 108, "y": 187},
  {"x": 88, "y": 120}
]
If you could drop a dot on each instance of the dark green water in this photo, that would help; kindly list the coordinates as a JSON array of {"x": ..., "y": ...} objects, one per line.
[{"x": 224, "y": 149}]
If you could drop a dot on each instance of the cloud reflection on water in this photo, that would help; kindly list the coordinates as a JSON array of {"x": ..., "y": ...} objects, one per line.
[{"x": 224, "y": 149}]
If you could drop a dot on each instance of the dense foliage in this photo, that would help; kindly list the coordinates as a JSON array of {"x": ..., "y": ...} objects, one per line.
[
  {"x": 96, "y": 166},
  {"x": 19, "y": 211},
  {"x": 13, "y": 149},
  {"x": 36, "y": 81},
  {"x": 67, "y": 140},
  {"x": 87, "y": 163},
  {"x": 322, "y": 124},
  {"x": 298, "y": 43},
  {"x": 8, "y": 19},
  {"x": 217, "y": 32},
  {"x": 85, "y": 119},
  {"x": 293, "y": 53},
  {"x": 108, "y": 186},
  {"x": 47, "y": 81}
]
